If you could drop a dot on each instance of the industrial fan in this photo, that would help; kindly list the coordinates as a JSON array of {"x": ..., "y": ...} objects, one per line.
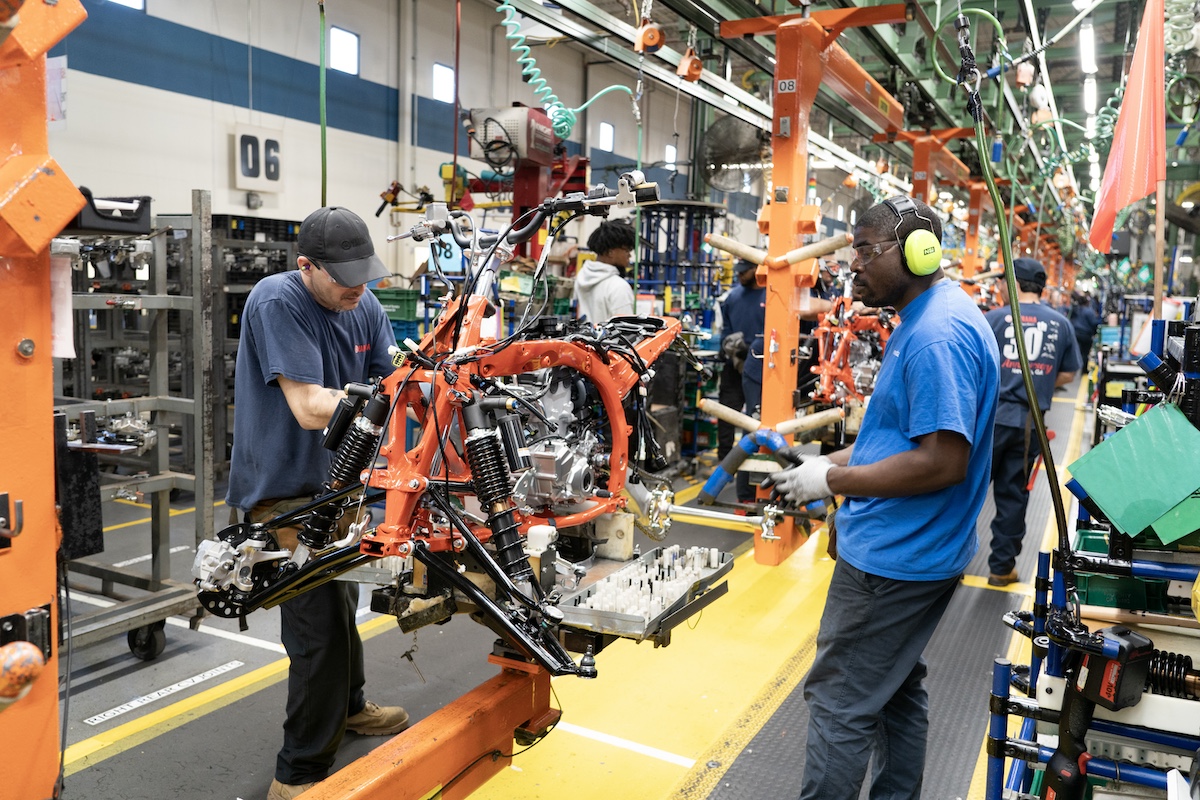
[{"x": 734, "y": 154}]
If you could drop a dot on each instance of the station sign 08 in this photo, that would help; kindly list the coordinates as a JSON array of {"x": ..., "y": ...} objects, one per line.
[{"x": 257, "y": 159}]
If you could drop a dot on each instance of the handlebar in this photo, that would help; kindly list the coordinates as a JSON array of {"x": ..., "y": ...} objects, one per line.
[{"x": 632, "y": 189}]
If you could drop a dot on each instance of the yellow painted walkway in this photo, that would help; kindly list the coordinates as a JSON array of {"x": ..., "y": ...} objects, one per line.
[{"x": 669, "y": 722}]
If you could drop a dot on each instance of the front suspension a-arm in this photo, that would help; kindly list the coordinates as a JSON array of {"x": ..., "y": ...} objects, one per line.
[
  {"x": 534, "y": 638},
  {"x": 319, "y": 570}
]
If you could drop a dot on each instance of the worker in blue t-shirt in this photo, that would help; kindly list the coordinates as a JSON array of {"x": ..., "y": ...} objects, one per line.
[
  {"x": 305, "y": 335},
  {"x": 914, "y": 482},
  {"x": 1053, "y": 361},
  {"x": 743, "y": 317}
]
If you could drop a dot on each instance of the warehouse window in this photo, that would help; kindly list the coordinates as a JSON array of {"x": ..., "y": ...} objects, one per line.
[
  {"x": 140, "y": 5},
  {"x": 443, "y": 83},
  {"x": 841, "y": 213},
  {"x": 607, "y": 132},
  {"x": 671, "y": 155},
  {"x": 343, "y": 51}
]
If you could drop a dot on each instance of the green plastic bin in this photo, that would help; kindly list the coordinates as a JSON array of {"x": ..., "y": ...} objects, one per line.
[{"x": 399, "y": 304}]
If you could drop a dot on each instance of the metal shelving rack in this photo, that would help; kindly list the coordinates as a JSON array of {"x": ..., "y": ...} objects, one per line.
[
  {"x": 238, "y": 264},
  {"x": 672, "y": 255},
  {"x": 186, "y": 240}
]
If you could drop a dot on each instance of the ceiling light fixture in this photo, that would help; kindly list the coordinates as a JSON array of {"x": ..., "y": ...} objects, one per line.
[
  {"x": 1087, "y": 48},
  {"x": 1089, "y": 95}
]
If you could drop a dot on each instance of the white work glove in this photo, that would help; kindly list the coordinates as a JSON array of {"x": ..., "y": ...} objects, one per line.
[{"x": 802, "y": 484}]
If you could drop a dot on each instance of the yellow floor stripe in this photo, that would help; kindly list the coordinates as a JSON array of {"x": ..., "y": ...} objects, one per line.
[
  {"x": 686, "y": 495},
  {"x": 175, "y": 512},
  {"x": 1019, "y": 646},
  {"x": 92, "y": 751},
  {"x": 980, "y": 582},
  {"x": 697, "y": 699},
  {"x": 711, "y": 767}
]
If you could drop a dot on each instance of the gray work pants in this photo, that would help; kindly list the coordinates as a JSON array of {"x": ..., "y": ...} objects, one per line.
[{"x": 864, "y": 690}]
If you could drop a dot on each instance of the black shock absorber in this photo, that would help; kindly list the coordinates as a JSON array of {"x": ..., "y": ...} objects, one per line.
[
  {"x": 489, "y": 474},
  {"x": 356, "y": 450},
  {"x": 353, "y": 456},
  {"x": 1171, "y": 674}
]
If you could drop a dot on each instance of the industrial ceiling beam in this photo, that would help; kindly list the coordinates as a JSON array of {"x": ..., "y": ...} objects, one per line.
[
  {"x": 710, "y": 88},
  {"x": 1036, "y": 37}
]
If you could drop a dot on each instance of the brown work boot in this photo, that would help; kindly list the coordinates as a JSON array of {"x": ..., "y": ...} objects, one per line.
[
  {"x": 376, "y": 720},
  {"x": 287, "y": 791},
  {"x": 1002, "y": 580}
]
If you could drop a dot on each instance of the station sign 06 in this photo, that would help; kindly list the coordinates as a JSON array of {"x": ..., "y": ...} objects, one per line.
[{"x": 257, "y": 159}]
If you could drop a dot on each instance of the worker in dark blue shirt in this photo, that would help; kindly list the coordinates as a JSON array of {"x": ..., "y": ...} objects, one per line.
[
  {"x": 1084, "y": 320},
  {"x": 743, "y": 317},
  {"x": 1053, "y": 360}
]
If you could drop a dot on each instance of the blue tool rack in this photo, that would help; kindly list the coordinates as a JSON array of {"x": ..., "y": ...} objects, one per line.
[{"x": 672, "y": 253}]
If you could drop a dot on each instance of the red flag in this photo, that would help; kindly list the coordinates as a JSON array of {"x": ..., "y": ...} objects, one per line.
[{"x": 1137, "y": 160}]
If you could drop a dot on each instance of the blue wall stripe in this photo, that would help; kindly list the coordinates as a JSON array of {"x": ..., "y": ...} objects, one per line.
[
  {"x": 740, "y": 204},
  {"x": 128, "y": 45},
  {"x": 434, "y": 126}
]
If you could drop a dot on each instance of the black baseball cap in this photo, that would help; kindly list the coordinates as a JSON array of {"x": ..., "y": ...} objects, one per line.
[
  {"x": 1028, "y": 269},
  {"x": 336, "y": 240},
  {"x": 743, "y": 266}
]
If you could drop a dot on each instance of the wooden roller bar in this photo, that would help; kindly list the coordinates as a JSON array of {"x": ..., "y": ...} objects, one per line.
[
  {"x": 789, "y": 426},
  {"x": 734, "y": 247},
  {"x": 814, "y": 250}
]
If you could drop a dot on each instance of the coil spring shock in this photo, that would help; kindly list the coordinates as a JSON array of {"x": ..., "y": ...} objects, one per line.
[
  {"x": 358, "y": 447},
  {"x": 489, "y": 474},
  {"x": 1171, "y": 674},
  {"x": 354, "y": 455}
]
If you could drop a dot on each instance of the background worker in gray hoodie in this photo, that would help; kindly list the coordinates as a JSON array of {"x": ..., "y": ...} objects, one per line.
[{"x": 601, "y": 290}]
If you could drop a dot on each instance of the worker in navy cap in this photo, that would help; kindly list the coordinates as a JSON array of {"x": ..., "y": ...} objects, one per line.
[
  {"x": 306, "y": 333},
  {"x": 1053, "y": 359}
]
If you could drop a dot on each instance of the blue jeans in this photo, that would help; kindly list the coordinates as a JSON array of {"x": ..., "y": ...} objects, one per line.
[
  {"x": 1012, "y": 461},
  {"x": 864, "y": 691}
]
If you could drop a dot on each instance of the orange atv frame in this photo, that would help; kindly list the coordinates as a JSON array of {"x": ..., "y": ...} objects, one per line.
[
  {"x": 409, "y": 473},
  {"x": 840, "y": 328}
]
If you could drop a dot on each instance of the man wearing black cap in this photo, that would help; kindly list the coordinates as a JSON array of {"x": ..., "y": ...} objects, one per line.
[
  {"x": 305, "y": 334},
  {"x": 1053, "y": 360},
  {"x": 743, "y": 316}
]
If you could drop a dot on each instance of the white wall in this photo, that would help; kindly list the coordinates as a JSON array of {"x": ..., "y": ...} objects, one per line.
[
  {"x": 123, "y": 138},
  {"x": 291, "y": 28}
]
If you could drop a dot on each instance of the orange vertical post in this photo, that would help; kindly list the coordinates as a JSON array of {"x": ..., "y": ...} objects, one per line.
[
  {"x": 36, "y": 202},
  {"x": 972, "y": 262},
  {"x": 798, "y": 75},
  {"x": 922, "y": 174},
  {"x": 807, "y": 56}
]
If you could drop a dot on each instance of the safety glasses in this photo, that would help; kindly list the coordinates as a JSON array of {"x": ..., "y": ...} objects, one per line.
[{"x": 865, "y": 254}]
